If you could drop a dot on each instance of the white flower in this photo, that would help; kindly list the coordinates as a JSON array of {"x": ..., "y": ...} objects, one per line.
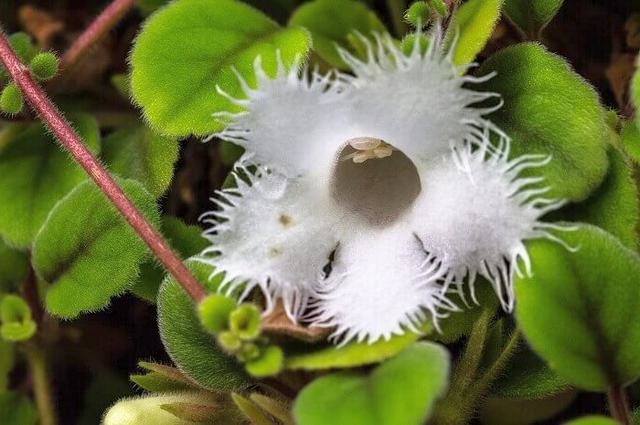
[{"x": 363, "y": 200}]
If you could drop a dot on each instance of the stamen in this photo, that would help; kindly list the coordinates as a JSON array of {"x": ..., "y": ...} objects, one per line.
[{"x": 368, "y": 148}]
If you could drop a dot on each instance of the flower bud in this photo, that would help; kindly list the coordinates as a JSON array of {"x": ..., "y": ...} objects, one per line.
[
  {"x": 269, "y": 363},
  {"x": 214, "y": 312},
  {"x": 11, "y": 100},
  {"x": 149, "y": 410},
  {"x": 44, "y": 66},
  {"x": 244, "y": 321}
]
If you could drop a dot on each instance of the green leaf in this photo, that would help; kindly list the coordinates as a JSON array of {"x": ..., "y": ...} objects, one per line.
[
  {"x": 351, "y": 355},
  {"x": 161, "y": 378},
  {"x": 37, "y": 173},
  {"x": 496, "y": 411},
  {"x": 138, "y": 153},
  {"x": 593, "y": 420},
  {"x": 86, "y": 251},
  {"x": 14, "y": 266},
  {"x": 614, "y": 205},
  {"x": 192, "y": 349},
  {"x": 185, "y": 239},
  {"x": 331, "y": 22},
  {"x": 531, "y": 17},
  {"x": 472, "y": 26},
  {"x": 400, "y": 391},
  {"x": 630, "y": 140},
  {"x": 15, "y": 409},
  {"x": 527, "y": 377},
  {"x": 550, "y": 110},
  {"x": 578, "y": 310},
  {"x": 190, "y": 47}
]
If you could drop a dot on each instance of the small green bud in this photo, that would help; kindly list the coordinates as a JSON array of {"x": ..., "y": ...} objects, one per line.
[
  {"x": 44, "y": 66},
  {"x": 214, "y": 312},
  {"x": 249, "y": 352},
  {"x": 440, "y": 7},
  {"x": 418, "y": 14},
  {"x": 11, "y": 100},
  {"x": 229, "y": 341},
  {"x": 149, "y": 409},
  {"x": 268, "y": 364},
  {"x": 22, "y": 45},
  {"x": 409, "y": 43},
  {"x": 244, "y": 321},
  {"x": 16, "y": 319}
]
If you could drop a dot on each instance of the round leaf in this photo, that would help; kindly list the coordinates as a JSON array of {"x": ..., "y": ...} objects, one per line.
[
  {"x": 331, "y": 22},
  {"x": 192, "y": 349},
  {"x": 138, "y": 153},
  {"x": 550, "y": 110},
  {"x": 579, "y": 310},
  {"x": 37, "y": 173},
  {"x": 191, "y": 46},
  {"x": 400, "y": 391},
  {"x": 87, "y": 252},
  {"x": 614, "y": 205}
]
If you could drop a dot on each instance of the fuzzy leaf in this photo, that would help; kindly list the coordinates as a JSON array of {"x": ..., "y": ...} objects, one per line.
[
  {"x": 161, "y": 378},
  {"x": 614, "y": 205},
  {"x": 37, "y": 173},
  {"x": 630, "y": 140},
  {"x": 190, "y": 47},
  {"x": 578, "y": 310},
  {"x": 473, "y": 24},
  {"x": 400, "y": 391},
  {"x": 550, "y": 110},
  {"x": 14, "y": 266},
  {"x": 86, "y": 251},
  {"x": 192, "y": 349},
  {"x": 531, "y": 16},
  {"x": 332, "y": 23},
  {"x": 527, "y": 377},
  {"x": 15, "y": 409},
  {"x": 185, "y": 239},
  {"x": 351, "y": 355},
  {"x": 138, "y": 153}
]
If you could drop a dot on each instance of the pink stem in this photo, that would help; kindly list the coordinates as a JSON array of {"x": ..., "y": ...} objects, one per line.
[
  {"x": 53, "y": 119},
  {"x": 104, "y": 22}
]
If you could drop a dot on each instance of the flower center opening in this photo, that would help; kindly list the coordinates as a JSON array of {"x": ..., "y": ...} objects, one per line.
[{"x": 374, "y": 180}]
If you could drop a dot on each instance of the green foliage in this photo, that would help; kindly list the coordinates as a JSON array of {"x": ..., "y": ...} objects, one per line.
[
  {"x": 351, "y": 355},
  {"x": 186, "y": 240},
  {"x": 16, "y": 409},
  {"x": 192, "y": 349},
  {"x": 471, "y": 28},
  {"x": 44, "y": 65},
  {"x": 150, "y": 6},
  {"x": 189, "y": 47},
  {"x": 526, "y": 377},
  {"x": 531, "y": 17},
  {"x": 269, "y": 362},
  {"x": 333, "y": 23},
  {"x": 578, "y": 309},
  {"x": 400, "y": 391},
  {"x": 86, "y": 251},
  {"x": 7, "y": 360},
  {"x": 538, "y": 88},
  {"x": 14, "y": 266},
  {"x": 630, "y": 140},
  {"x": 11, "y": 100},
  {"x": 614, "y": 205},
  {"x": 214, "y": 312},
  {"x": 161, "y": 378},
  {"x": 138, "y": 153},
  {"x": 17, "y": 323},
  {"x": 593, "y": 420},
  {"x": 44, "y": 174}
]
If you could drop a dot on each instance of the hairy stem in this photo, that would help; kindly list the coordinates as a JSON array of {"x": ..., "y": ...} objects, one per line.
[
  {"x": 619, "y": 405},
  {"x": 62, "y": 130},
  {"x": 41, "y": 384},
  {"x": 103, "y": 23}
]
